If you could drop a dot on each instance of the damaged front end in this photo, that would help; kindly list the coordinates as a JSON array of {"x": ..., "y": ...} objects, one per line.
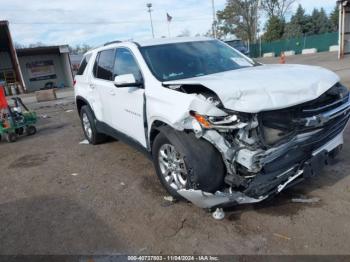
[{"x": 268, "y": 151}]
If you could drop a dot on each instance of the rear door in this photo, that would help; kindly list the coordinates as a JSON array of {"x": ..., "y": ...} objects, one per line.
[{"x": 102, "y": 86}]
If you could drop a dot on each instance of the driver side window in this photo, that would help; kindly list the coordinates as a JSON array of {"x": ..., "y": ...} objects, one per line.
[{"x": 125, "y": 63}]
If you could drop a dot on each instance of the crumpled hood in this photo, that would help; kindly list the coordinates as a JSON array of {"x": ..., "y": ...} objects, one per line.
[{"x": 266, "y": 87}]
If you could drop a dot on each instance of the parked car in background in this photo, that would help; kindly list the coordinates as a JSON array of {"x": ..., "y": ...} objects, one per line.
[{"x": 220, "y": 128}]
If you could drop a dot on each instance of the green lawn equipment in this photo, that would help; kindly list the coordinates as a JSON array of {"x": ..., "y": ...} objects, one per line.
[{"x": 16, "y": 120}]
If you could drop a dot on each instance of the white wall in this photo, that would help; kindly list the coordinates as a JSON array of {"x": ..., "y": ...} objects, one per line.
[{"x": 60, "y": 71}]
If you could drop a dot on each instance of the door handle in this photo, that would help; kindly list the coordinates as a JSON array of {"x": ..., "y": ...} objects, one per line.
[
  {"x": 92, "y": 86},
  {"x": 111, "y": 92}
]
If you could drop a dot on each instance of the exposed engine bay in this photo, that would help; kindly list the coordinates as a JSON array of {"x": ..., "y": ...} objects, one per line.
[{"x": 268, "y": 151}]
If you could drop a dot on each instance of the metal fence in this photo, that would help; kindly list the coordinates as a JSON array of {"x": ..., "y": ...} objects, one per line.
[{"x": 320, "y": 42}]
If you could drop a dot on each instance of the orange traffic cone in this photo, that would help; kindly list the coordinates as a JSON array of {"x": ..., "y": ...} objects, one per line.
[{"x": 282, "y": 58}]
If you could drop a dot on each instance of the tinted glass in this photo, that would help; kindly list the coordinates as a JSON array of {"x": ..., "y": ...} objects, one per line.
[
  {"x": 125, "y": 63},
  {"x": 105, "y": 64},
  {"x": 191, "y": 59},
  {"x": 83, "y": 64}
]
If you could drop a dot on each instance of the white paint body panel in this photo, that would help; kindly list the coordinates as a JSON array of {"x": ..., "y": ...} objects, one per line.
[
  {"x": 267, "y": 87},
  {"x": 251, "y": 90}
]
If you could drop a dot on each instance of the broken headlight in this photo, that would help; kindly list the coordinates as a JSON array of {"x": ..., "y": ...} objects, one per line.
[{"x": 217, "y": 122}]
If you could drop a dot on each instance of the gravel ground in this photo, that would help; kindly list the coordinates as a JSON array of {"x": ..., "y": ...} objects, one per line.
[{"x": 60, "y": 197}]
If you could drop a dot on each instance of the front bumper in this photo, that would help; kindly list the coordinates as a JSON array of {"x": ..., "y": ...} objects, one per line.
[{"x": 289, "y": 177}]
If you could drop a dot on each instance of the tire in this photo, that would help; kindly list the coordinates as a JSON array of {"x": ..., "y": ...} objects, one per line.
[
  {"x": 88, "y": 122},
  {"x": 203, "y": 163},
  {"x": 11, "y": 137},
  {"x": 31, "y": 130}
]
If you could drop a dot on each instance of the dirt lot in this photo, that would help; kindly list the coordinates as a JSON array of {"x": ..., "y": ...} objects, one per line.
[{"x": 60, "y": 197}]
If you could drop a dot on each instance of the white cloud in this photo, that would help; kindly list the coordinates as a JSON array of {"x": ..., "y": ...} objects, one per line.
[{"x": 95, "y": 22}]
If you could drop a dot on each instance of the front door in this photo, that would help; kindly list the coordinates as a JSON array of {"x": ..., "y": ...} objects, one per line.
[{"x": 129, "y": 101}]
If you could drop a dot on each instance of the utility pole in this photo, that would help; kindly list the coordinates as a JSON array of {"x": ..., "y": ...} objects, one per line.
[
  {"x": 214, "y": 18},
  {"x": 149, "y": 6}
]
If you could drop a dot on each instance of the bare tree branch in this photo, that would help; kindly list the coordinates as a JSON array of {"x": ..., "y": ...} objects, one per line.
[{"x": 278, "y": 8}]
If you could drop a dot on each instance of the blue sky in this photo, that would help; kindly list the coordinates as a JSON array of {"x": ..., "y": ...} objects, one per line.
[{"x": 95, "y": 22}]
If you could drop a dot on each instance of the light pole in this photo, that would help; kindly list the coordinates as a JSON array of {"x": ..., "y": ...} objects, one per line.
[
  {"x": 214, "y": 18},
  {"x": 149, "y": 6}
]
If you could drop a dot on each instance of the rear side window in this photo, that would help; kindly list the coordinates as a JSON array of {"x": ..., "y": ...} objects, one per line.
[
  {"x": 83, "y": 64},
  {"x": 105, "y": 64}
]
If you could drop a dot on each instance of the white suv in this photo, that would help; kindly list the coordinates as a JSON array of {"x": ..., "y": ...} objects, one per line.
[{"x": 221, "y": 129}]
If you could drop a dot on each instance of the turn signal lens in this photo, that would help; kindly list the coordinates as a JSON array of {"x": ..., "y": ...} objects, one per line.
[{"x": 201, "y": 119}]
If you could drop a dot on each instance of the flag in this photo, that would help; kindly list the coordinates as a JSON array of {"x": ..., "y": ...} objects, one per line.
[{"x": 169, "y": 17}]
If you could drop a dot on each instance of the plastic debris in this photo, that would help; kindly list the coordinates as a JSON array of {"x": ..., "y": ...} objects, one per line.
[
  {"x": 44, "y": 116},
  {"x": 70, "y": 110},
  {"x": 219, "y": 214},
  {"x": 281, "y": 236},
  {"x": 169, "y": 198},
  {"x": 305, "y": 200},
  {"x": 84, "y": 142},
  {"x": 74, "y": 174},
  {"x": 122, "y": 184}
]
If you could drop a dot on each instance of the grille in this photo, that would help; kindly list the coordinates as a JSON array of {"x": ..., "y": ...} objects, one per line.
[{"x": 279, "y": 125}]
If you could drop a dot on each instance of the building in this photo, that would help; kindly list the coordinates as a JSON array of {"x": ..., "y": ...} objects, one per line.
[
  {"x": 10, "y": 72},
  {"x": 344, "y": 27},
  {"x": 32, "y": 69},
  {"x": 45, "y": 65}
]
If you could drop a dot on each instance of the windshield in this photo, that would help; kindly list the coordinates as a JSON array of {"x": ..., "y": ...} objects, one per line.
[
  {"x": 235, "y": 43},
  {"x": 192, "y": 59}
]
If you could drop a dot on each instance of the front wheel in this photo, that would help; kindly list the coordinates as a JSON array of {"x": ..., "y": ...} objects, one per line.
[
  {"x": 184, "y": 162},
  {"x": 89, "y": 126},
  {"x": 30, "y": 130}
]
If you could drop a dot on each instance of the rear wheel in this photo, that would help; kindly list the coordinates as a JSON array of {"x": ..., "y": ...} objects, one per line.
[
  {"x": 89, "y": 126},
  {"x": 11, "y": 137},
  {"x": 184, "y": 162}
]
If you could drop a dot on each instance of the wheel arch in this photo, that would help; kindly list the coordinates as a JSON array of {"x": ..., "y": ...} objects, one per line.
[
  {"x": 156, "y": 128},
  {"x": 80, "y": 102}
]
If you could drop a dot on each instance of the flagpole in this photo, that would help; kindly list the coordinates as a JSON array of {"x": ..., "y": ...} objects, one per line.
[
  {"x": 168, "y": 18},
  {"x": 169, "y": 29}
]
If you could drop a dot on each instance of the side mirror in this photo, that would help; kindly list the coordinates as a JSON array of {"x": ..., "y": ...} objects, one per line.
[{"x": 127, "y": 80}]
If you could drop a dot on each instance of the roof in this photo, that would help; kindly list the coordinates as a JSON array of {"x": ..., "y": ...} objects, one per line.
[
  {"x": 344, "y": 2},
  {"x": 4, "y": 22},
  {"x": 4, "y": 35},
  {"x": 164, "y": 41},
  {"x": 59, "y": 49},
  {"x": 150, "y": 42}
]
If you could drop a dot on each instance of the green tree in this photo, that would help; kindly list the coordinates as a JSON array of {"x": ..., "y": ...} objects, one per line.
[
  {"x": 299, "y": 24},
  {"x": 240, "y": 18},
  {"x": 334, "y": 18},
  {"x": 320, "y": 23},
  {"x": 274, "y": 29}
]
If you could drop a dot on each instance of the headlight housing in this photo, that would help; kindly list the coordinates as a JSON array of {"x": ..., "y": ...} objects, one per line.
[{"x": 216, "y": 122}]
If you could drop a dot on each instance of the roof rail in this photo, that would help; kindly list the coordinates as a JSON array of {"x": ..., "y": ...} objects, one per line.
[{"x": 112, "y": 42}]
